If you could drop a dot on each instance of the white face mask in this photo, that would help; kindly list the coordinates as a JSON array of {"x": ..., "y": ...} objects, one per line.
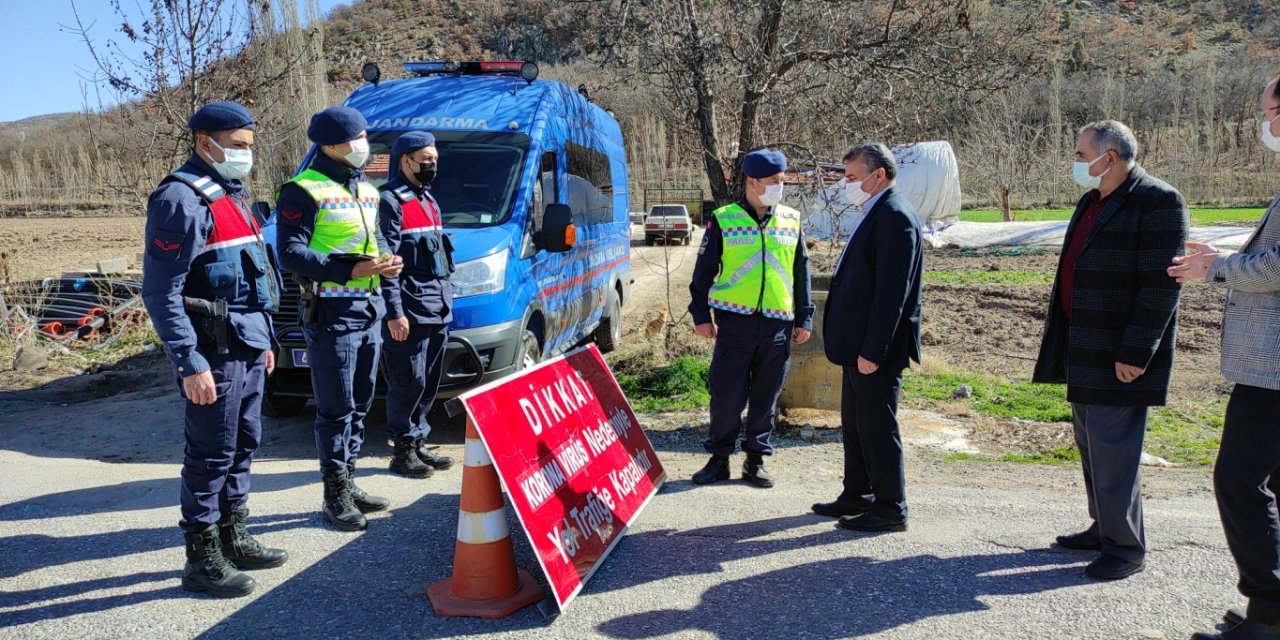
[
  {"x": 1080, "y": 172},
  {"x": 237, "y": 164},
  {"x": 854, "y": 194},
  {"x": 359, "y": 153},
  {"x": 772, "y": 195},
  {"x": 1270, "y": 140}
]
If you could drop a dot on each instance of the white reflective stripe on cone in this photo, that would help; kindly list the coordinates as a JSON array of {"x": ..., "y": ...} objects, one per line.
[
  {"x": 475, "y": 455},
  {"x": 482, "y": 528}
]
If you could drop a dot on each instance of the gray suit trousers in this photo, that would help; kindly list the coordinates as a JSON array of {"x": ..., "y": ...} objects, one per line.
[{"x": 1110, "y": 443}]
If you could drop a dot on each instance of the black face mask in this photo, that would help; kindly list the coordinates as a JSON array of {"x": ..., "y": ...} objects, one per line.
[{"x": 425, "y": 174}]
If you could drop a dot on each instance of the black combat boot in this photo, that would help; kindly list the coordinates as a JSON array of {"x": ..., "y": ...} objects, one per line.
[
  {"x": 717, "y": 469},
  {"x": 208, "y": 571},
  {"x": 241, "y": 548},
  {"x": 364, "y": 502},
  {"x": 405, "y": 462},
  {"x": 427, "y": 455},
  {"x": 753, "y": 471},
  {"x": 339, "y": 508}
]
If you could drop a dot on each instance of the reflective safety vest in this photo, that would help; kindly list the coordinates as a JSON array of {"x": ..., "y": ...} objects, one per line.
[
  {"x": 422, "y": 225},
  {"x": 343, "y": 225},
  {"x": 757, "y": 264},
  {"x": 234, "y": 265}
]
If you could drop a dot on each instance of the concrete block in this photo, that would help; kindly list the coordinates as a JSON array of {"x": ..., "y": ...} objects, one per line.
[{"x": 114, "y": 265}]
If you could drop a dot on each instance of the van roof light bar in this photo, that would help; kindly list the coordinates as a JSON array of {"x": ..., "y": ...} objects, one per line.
[{"x": 524, "y": 69}]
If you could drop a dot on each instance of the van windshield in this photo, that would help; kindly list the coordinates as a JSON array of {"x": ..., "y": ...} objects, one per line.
[{"x": 478, "y": 173}]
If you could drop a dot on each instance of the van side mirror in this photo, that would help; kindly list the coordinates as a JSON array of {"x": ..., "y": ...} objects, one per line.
[
  {"x": 261, "y": 211},
  {"x": 558, "y": 234}
]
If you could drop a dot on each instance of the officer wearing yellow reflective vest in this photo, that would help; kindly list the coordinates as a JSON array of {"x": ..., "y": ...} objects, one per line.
[
  {"x": 752, "y": 270},
  {"x": 329, "y": 239}
]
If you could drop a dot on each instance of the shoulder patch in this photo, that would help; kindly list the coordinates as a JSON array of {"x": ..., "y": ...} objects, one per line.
[
  {"x": 207, "y": 187},
  {"x": 403, "y": 193}
]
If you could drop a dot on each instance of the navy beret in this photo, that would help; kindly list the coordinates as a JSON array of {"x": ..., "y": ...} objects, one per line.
[
  {"x": 408, "y": 143},
  {"x": 336, "y": 125},
  {"x": 220, "y": 116},
  {"x": 763, "y": 163}
]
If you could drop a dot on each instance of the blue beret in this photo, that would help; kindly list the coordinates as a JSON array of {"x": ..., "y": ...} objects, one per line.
[
  {"x": 763, "y": 163},
  {"x": 408, "y": 143},
  {"x": 220, "y": 116},
  {"x": 336, "y": 125}
]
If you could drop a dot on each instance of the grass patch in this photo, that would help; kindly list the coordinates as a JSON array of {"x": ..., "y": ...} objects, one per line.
[
  {"x": 993, "y": 396},
  {"x": 682, "y": 384},
  {"x": 1057, "y": 455},
  {"x": 989, "y": 277},
  {"x": 1200, "y": 216},
  {"x": 1029, "y": 215},
  {"x": 1210, "y": 216},
  {"x": 1181, "y": 436},
  {"x": 1185, "y": 437}
]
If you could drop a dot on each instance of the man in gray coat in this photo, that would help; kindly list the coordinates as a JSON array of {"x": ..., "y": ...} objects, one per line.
[
  {"x": 1246, "y": 477},
  {"x": 1109, "y": 333}
]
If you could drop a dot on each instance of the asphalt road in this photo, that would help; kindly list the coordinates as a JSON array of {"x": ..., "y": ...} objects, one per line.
[{"x": 89, "y": 548}]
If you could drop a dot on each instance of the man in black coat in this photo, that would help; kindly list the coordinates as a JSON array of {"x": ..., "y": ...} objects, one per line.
[
  {"x": 1110, "y": 333},
  {"x": 871, "y": 328}
]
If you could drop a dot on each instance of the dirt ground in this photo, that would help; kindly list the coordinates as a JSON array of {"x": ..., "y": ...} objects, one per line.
[
  {"x": 984, "y": 328},
  {"x": 42, "y": 247}
]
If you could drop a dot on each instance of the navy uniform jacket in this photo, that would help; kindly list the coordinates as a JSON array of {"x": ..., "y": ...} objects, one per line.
[
  {"x": 296, "y": 219},
  {"x": 423, "y": 295},
  {"x": 708, "y": 267},
  {"x": 873, "y": 307},
  {"x": 179, "y": 223}
]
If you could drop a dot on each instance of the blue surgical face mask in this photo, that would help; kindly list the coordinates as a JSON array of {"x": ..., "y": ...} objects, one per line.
[
  {"x": 236, "y": 164},
  {"x": 1080, "y": 172}
]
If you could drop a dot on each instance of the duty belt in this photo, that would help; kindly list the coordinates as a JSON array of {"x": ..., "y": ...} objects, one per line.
[{"x": 344, "y": 292}]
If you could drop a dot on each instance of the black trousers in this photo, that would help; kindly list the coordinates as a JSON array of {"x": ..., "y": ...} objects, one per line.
[
  {"x": 749, "y": 365},
  {"x": 413, "y": 369},
  {"x": 222, "y": 437},
  {"x": 874, "y": 474},
  {"x": 1246, "y": 481}
]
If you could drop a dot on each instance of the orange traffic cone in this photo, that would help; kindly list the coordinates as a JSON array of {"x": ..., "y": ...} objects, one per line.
[{"x": 485, "y": 582}]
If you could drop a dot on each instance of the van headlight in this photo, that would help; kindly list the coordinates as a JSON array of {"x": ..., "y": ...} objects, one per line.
[{"x": 485, "y": 275}]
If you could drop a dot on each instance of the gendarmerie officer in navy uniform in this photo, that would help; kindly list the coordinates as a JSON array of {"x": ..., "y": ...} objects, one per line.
[
  {"x": 752, "y": 269},
  {"x": 328, "y": 228},
  {"x": 210, "y": 286},
  {"x": 420, "y": 308}
]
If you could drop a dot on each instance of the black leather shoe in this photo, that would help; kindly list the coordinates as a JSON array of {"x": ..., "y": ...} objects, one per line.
[
  {"x": 405, "y": 461},
  {"x": 871, "y": 522},
  {"x": 1109, "y": 567},
  {"x": 1233, "y": 616},
  {"x": 1246, "y": 630},
  {"x": 716, "y": 469},
  {"x": 208, "y": 571},
  {"x": 241, "y": 548},
  {"x": 753, "y": 471},
  {"x": 1087, "y": 540},
  {"x": 428, "y": 455},
  {"x": 838, "y": 509},
  {"x": 365, "y": 502}
]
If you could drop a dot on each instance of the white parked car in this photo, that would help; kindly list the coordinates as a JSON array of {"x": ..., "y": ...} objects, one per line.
[{"x": 667, "y": 222}]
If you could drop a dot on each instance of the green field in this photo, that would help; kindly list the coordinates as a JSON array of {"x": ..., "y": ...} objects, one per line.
[
  {"x": 989, "y": 277},
  {"x": 1199, "y": 216}
]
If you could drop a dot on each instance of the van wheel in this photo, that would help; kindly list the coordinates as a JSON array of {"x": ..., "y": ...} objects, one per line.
[
  {"x": 529, "y": 354},
  {"x": 648, "y": 242},
  {"x": 609, "y": 333}
]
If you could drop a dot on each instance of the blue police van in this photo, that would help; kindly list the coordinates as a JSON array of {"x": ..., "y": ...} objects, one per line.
[{"x": 523, "y": 164}]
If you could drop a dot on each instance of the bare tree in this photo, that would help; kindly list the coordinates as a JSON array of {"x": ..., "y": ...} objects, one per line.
[
  {"x": 735, "y": 73},
  {"x": 169, "y": 57}
]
